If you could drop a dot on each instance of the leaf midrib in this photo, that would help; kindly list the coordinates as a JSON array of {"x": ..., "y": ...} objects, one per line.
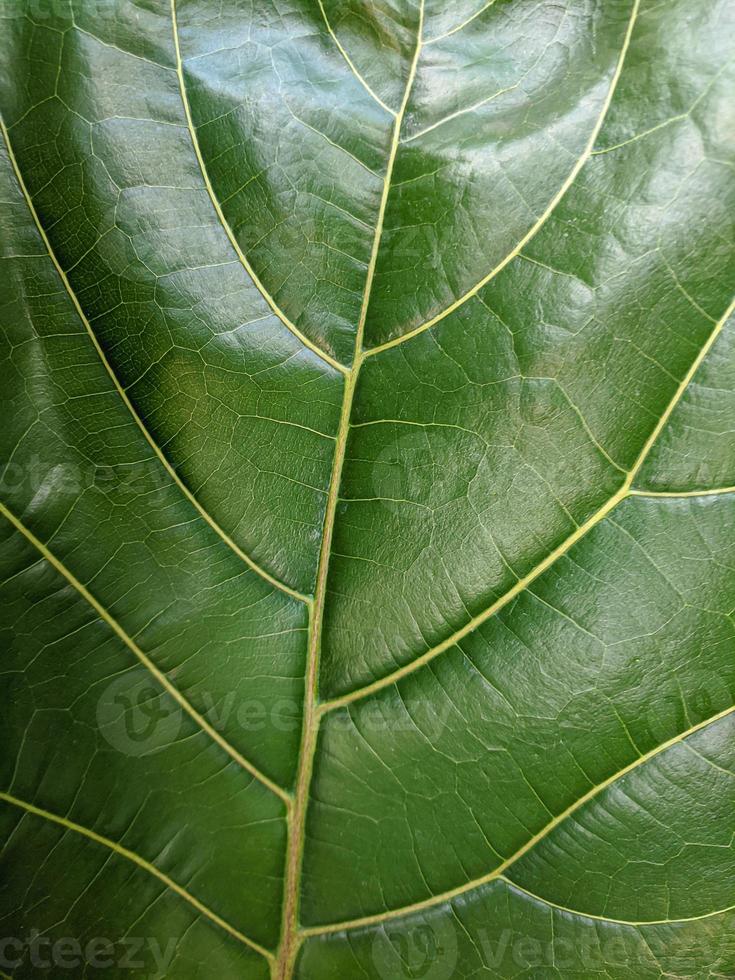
[
  {"x": 291, "y": 934},
  {"x": 624, "y": 492}
]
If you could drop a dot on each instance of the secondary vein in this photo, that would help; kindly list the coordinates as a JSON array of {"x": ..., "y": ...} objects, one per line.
[
  {"x": 606, "y": 918},
  {"x": 130, "y": 643},
  {"x": 625, "y": 491},
  {"x": 323, "y": 355},
  {"x": 713, "y": 492},
  {"x": 535, "y": 228},
  {"x": 160, "y": 455},
  {"x": 351, "y": 64},
  {"x": 499, "y": 871},
  {"x": 460, "y": 27},
  {"x": 140, "y": 862}
]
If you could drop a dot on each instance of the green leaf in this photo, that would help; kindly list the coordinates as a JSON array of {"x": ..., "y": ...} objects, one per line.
[{"x": 368, "y": 489}]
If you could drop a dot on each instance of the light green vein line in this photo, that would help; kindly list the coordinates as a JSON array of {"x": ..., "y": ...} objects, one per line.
[
  {"x": 476, "y": 105},
  {"x": 223, "y": 220},
  {"x": 143, "y": 658},
  {"x": 624, "y": 492},
  {"x": 336, "y": 146},
  {"x": 460, "y": 27},
  {"x": 580, "y": 415},
  {"x": 685, "y": 382},
  {"x": 459, "y": 113},
  {"x": 290, "y": 934},
  {"x": 476, "y": 621},
  {"x": 639, "y": 136},
  {"x": 716, "y": 491},
  {"x": 141, "y": 863},
  {"x": 114, "y": 47},
  {"x": 690, "y": 299},
  {"x": 606, "y": 918},
  {"x": 680, "y": 117},
  {"x": 586, "y": 154},
  {"x": 162, "y": 458},
  {"x": 351, "y": 64},
  {"x": 498, "y": 872}
]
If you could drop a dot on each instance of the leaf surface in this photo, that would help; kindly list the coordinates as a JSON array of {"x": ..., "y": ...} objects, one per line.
[{"x": 368, "y": 488}]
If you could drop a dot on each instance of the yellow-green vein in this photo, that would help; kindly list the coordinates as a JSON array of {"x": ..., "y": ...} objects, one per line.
[
  {"x": 141, "y": 863},
  {"x": 533, "y": 230},
  {"x": 351, "y": 65},
  {"x": 500, "y": 870},
  {"x": 162, "y": 458},
  {"x": 636, "y": 923},
  {"x": 144, "y": 659},
  {"x": 714, "y": 492},
  {"x": 291, "y": 935},
  {"x": 270, "y": 300},
  {"x": 624, "y": 492},
  {"x": 460, "y": 27}
]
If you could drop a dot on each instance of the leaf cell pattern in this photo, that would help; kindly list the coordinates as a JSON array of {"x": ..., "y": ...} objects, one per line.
[{"x": 368, "y": 487}]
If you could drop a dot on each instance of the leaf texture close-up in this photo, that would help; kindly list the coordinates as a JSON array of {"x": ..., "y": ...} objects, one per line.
[{"x": 367, "y": 489}]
